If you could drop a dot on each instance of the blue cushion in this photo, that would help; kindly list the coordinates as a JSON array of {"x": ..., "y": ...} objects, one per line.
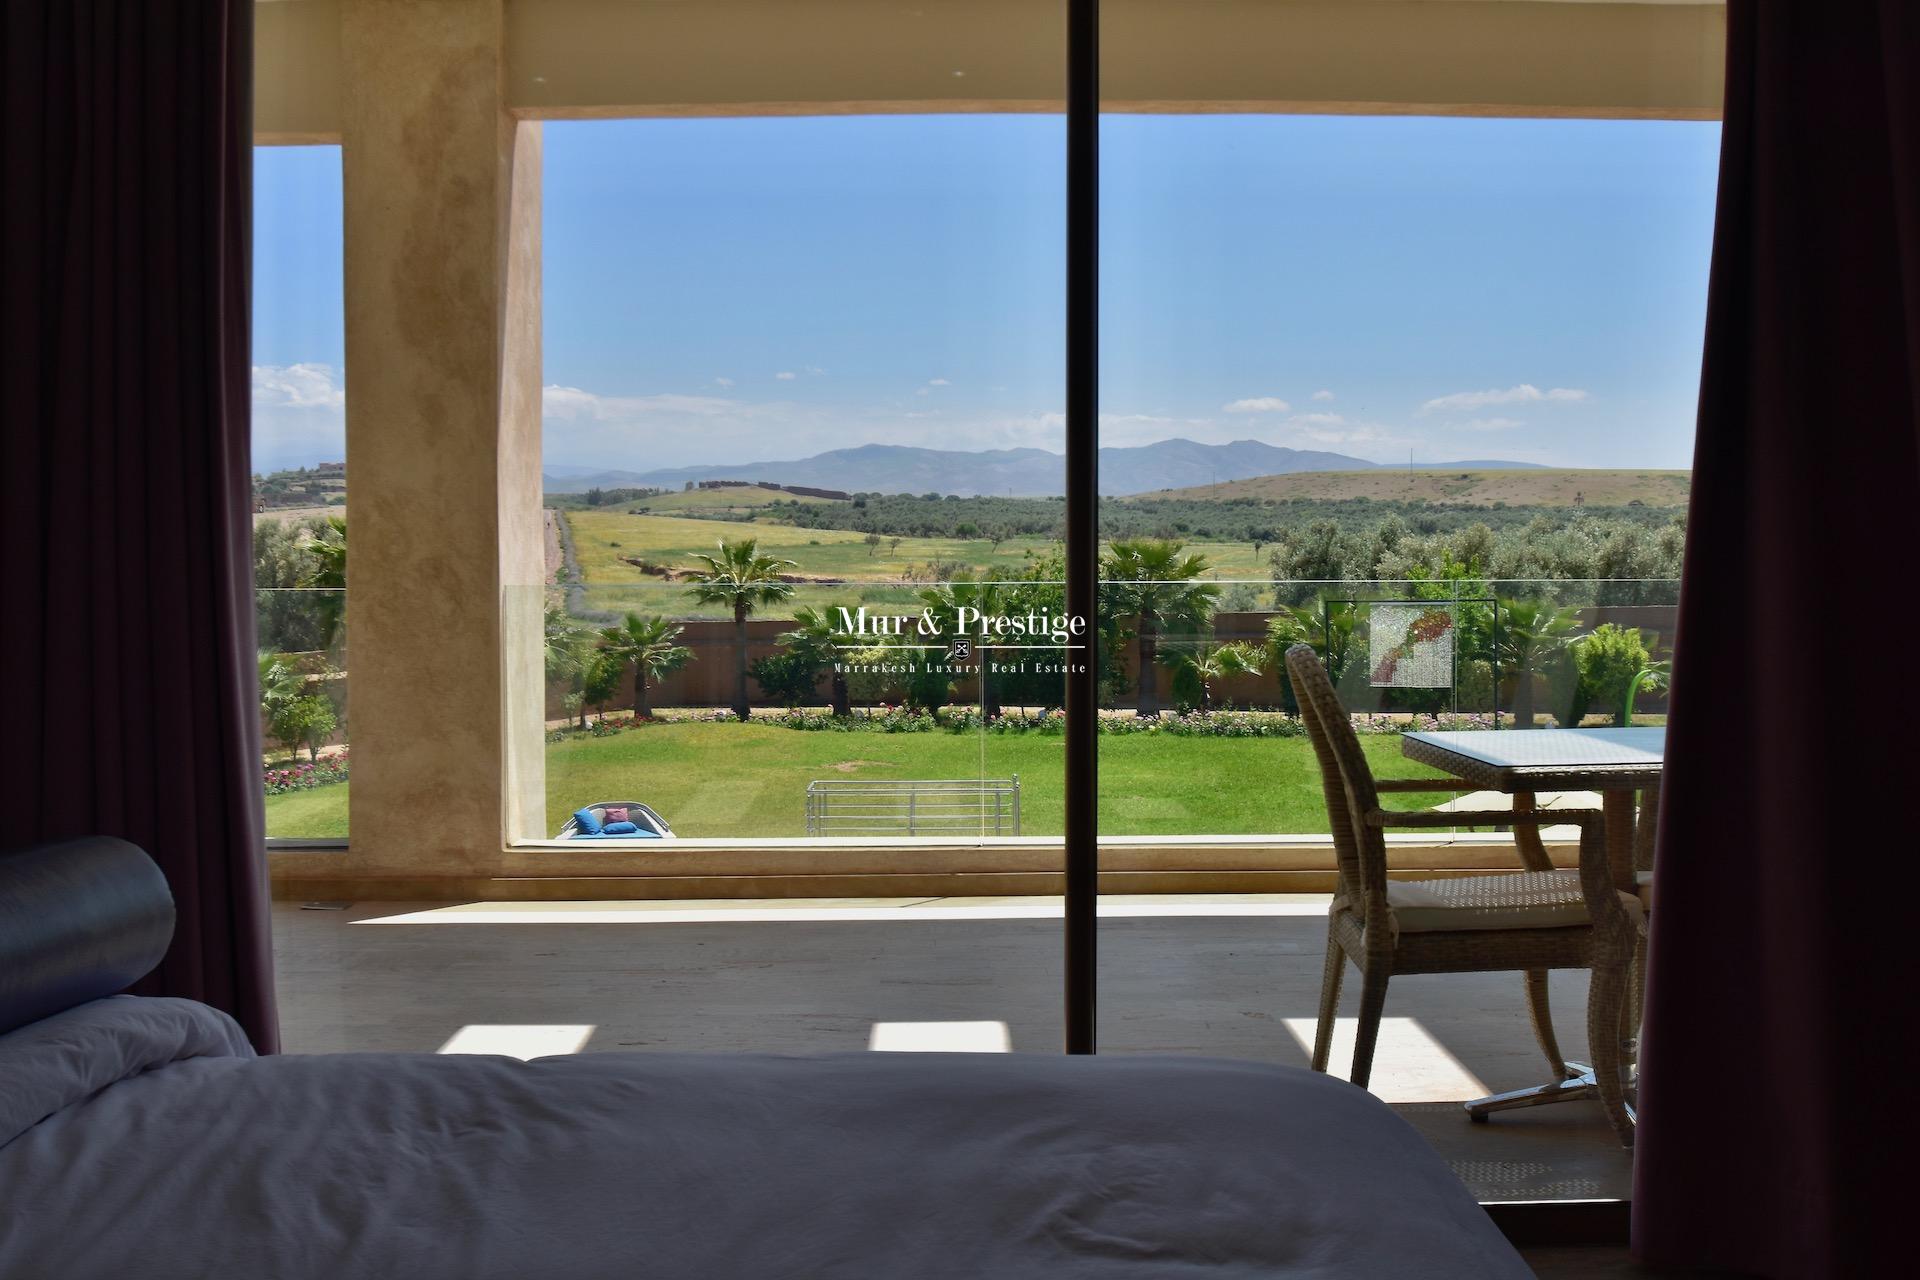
[
  {"x": 619, "y": 829},
  {"x": 585, "y": 822}
]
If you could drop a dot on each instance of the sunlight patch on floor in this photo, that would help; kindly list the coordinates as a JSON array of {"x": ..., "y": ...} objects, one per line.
[
  {"x": 940, "y": 1037},
  {"x": 816, "y": 910},
  {"x": 523, "y": 1041},
  {"x": 1409, "y": 1065}
]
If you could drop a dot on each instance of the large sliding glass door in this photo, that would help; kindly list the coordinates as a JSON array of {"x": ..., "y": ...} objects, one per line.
[
  {"x": 1414, "y": 387},
  {"x": 804, "y": 489}
]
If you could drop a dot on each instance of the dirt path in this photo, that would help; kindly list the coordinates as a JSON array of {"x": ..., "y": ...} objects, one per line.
[{"x": 556, "y": 555}]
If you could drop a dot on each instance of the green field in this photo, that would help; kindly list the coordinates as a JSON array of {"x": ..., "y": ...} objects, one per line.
[
  {"x": 749, "y": 781},
  {"x": 1516, "y": 487},
  {"x": 825, "y": 553},
  {"x": 603, "y": 539},
  {"x": 715, "y": 500}
]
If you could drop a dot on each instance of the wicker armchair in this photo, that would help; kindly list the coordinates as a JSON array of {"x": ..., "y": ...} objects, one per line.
[{"x": 1534, "y": 921}]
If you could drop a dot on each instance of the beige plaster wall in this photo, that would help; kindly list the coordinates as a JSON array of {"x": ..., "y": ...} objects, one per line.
[
  {"x": 441, "y": 396},
  {"x": 523, "y": 560},
  {"x": 296, "y": 71},
  {"x": 876, "y": 868},
  {"x": 575, "y": 58}
]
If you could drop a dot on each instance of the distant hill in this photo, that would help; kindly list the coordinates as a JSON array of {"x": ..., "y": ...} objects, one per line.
[
  {"x": 321, "y": 485},
  {"x": 885, "y": 468},
  {"x": 1466, "y": 484}
]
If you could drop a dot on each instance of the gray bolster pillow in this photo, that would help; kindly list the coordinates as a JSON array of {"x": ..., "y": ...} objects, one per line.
[{"x": 79, "y": 919}]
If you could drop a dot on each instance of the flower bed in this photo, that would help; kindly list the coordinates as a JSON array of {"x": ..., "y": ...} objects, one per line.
[
  {"x": 307, "y": 775},
  {"x": 1192, "y": 724}
]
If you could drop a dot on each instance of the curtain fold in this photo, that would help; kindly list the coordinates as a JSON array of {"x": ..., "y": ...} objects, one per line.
[
  {"x": 127, "y": 704},
  {"x": 1781, "y": 967}
]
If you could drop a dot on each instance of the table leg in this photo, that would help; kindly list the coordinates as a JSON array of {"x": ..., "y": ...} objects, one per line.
[
  {"x": 1617, "y": 808},
  {"x": 1526, "y": 836},
  {"x": 1646, "y": 828}
]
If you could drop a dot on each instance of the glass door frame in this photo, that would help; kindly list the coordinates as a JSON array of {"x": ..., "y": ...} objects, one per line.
[{"x": 1082, "y": 521}]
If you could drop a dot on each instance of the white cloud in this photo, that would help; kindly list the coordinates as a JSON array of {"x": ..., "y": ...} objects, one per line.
[
  {"x": 299, "y": 416},
  {"x": 938, "y": 382},
  {"x": 935, "y": 429},
  {"x": 786, "y": 375},
  {"x": 1258, "y": 404},
  {"x": 1323, "y": 394},
  {"x": 297, "y": 386},
  {"x": 723, "y": 382},
  {"x": 1525, "y": 393},
  {"x": 1335, "y": 431},
  {"x": 1492, "y": 424},
  {"x": 571, "y": 403}
]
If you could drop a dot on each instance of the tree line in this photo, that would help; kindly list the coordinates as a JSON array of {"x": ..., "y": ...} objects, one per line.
[
  {"x": 1514, "y": 651},
  {"x": 1256, "y": 520}
]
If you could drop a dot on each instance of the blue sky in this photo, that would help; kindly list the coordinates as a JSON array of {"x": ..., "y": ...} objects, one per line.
[{"x": 737, "y": 290}]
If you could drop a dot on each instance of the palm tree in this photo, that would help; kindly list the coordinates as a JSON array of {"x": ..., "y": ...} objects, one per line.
[
  {"x": 1196, "y": 667},
  {"x": 328, "y": 552},
  {"x": 1328, "y": 629},
  {"x": 647, "y": 645},
  {"x": 1149, "y": 581},
  {"x": 946, "y": 601},
  {"x": 280, "y": 683},
  {"x": 1525, "y": 639},
  {"x": 741, "y": 579},
  {"x": 816, "y": 640}
]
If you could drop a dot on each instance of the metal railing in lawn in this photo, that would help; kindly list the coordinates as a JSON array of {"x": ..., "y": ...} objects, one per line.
[{"x": 914, "y": 807}]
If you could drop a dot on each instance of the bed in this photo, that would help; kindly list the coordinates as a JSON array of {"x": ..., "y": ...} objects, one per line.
[{"x": 142, "y": 1137}]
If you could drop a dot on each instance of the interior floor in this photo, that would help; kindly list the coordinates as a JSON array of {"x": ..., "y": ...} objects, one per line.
[{"x": 1219, "y": 975}]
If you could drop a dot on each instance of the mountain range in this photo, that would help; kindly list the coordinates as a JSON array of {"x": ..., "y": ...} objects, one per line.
[{"x": 888, "y": 468}]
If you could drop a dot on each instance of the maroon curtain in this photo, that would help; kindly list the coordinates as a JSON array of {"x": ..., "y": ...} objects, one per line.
[
  {"x": 127, "y": 702},
  {"x": 1781, "y": 972}
]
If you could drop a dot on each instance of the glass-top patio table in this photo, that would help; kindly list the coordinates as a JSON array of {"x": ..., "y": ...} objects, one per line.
[
  {"x": 1618, "y": 763},
  {"x": 1621, "y": 764}
]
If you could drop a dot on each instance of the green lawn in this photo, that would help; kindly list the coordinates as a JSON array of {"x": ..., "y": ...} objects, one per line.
[
  {"x": 321, "y": 812},
  {"x": 721, "y": 780}
]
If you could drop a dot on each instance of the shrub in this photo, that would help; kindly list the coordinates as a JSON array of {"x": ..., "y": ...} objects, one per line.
[
  {"x": 787, "y": 675},
  {"x": 1608, "y": 658},
  {"x": 305, "y": 777},
  {"x": 965, "y": 720},
  {"x": 305, "y": 721}
]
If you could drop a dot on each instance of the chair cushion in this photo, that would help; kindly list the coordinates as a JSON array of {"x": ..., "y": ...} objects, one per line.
[
  {"x": 586, "y": 822},
  {"x": 614, "y": 813},
  {"x": 1527, "y": 900},
  {"x": 619, "y": 829}
]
